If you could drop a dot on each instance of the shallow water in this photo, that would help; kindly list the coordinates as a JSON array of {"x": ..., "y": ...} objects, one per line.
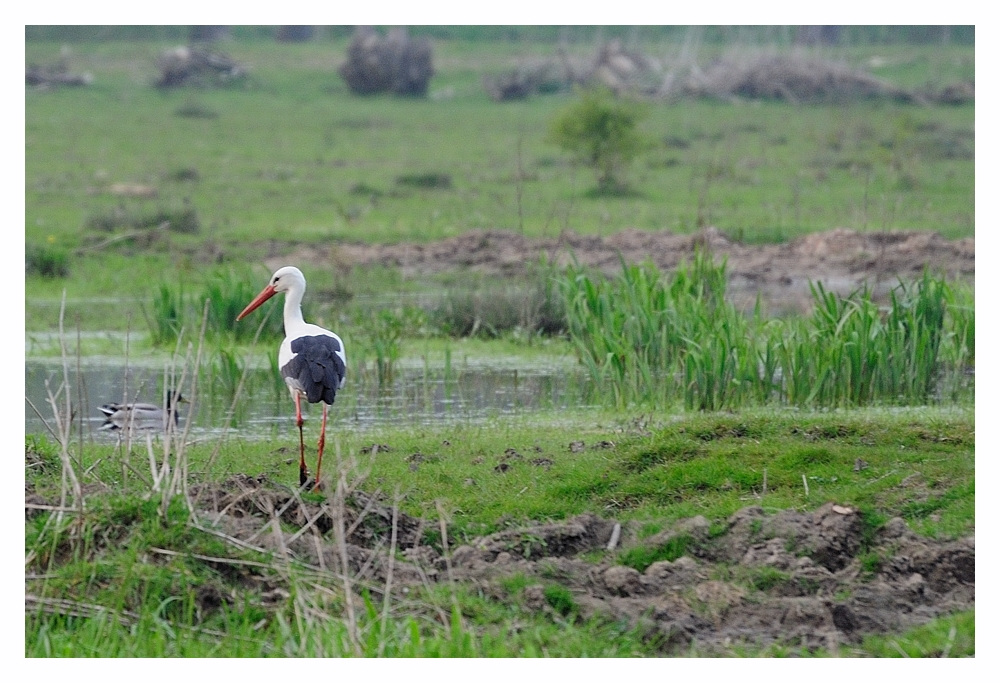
[{"x": 418, "y": 395}]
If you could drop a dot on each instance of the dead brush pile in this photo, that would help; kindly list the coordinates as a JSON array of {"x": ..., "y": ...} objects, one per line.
[
  {"x": 394, "y": 63},
  {"x": 796, "y": 79},
  {"x": 196, "y": 65}
]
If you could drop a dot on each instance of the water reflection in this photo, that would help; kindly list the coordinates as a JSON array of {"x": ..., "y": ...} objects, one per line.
[{"x": 264, "y": 408}]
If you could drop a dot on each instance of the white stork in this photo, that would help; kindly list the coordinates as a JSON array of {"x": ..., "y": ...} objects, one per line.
[{"x": 311, "y": 358}]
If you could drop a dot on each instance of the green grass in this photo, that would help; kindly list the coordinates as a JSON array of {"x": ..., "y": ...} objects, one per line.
[
  {"x": 725, "y": 459},
  {"x": 124, "y": 568},
  {"x": 953, "y": 636},
  {"x": 280, "y": 159},
  {"x": 642, "y": 557}
]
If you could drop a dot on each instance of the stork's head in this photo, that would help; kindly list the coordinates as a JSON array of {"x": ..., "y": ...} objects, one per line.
[{"x": 285, "y": 279}]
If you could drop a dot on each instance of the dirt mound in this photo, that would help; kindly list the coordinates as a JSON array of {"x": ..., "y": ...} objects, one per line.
[
  {"x": 841, "y": 259},
  {"x": 794, "y": 578}
]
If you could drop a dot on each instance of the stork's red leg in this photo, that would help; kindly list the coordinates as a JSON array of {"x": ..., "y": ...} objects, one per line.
[
  {"x": 303, "y": 474},
  {"x": 322, "y": 443}
]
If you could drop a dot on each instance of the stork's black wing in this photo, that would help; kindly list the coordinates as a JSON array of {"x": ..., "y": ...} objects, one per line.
[{"x": 317, "y": 366}]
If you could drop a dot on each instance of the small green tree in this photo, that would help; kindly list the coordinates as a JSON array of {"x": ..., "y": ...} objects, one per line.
[{"x": 601, "y": 131}]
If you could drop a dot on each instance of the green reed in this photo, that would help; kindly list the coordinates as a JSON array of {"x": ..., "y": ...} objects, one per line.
[
  {"x": 381, "y": 333},
  {"x": 173, "y": 310},
  {"x": 167, "y": 315},
  {"x": 647, "y": 338},
  {"x": 228, "y": 296}
]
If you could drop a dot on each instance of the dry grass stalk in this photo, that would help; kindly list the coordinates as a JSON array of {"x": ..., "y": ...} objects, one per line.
[
  {"x": 446, "y": 553},
  {"x": 179, "y": 483},
  {"x": 63, "y": 424},
  {"x": 616, "y": 533},
  {"x": 389, "y": 570},
  {"x": 340, "y": 494},
  {"x": 213, "y": 560}
]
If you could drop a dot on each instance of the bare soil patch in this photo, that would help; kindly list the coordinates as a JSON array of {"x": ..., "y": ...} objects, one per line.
[
  {"x": 841, "y": 259},
  {"x": 792, "y": 578}
]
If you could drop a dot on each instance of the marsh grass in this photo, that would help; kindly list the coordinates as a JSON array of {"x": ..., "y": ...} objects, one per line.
[
  {"x": 380, "y": 334},
  {"x": 526, "y": 309},
  {"x": 172, "y": 310},
  {"x": 168, "y": 311},
  {"x": 646, "y": 338}
]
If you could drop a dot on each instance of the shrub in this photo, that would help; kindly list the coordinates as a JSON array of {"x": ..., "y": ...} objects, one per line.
[{"x": 601, "y": 132}]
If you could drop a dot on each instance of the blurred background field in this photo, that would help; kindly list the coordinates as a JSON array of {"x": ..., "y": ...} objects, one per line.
[
  {"x": 123, "y": 176},
  {"x": 286, "y": 152}
]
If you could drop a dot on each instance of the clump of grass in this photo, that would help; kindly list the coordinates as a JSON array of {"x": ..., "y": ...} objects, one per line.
[
  {"x": 766, "y": 578},
  {"x": 167, "y": 316},
  {"x": 670, "y": 450},
  {"x": 227, "y": 294},
  {"x": 560, "y": 599},
  {"x": 184, "y": 174},
  {"x": 648, "y": 339},
  {"x": 852, "y": 352},
  {"x": 381, "y": 334},
  {"x": 365, "y": 190},
  {"x": 641, "y": 557},
  {"x": 193, "y": 109},
  {"x": 495, "y": 311},
  {"x": 227, "y": 370},
  {"x": 46, "y": 261},
  {"x": 183, "y": 218},
  {"x": 426, "y": 181}
]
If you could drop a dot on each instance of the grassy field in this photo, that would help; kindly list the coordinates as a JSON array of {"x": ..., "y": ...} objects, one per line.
[
  {"x": 129, "y": 577},
  {"x": 293, "y": 156},
  {"x": 121, "y": 568}
]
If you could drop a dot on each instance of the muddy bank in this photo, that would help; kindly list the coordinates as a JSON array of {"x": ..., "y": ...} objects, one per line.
[
  {"x": 841, "y": 259},
  {"x": 802, "y": 579}
]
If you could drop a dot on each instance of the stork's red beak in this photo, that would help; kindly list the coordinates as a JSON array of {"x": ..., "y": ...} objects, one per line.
[{"x": 266, "y": 294}]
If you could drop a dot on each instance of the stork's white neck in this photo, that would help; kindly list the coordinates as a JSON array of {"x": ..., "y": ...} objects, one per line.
[{"x": 293, "y": 308}]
